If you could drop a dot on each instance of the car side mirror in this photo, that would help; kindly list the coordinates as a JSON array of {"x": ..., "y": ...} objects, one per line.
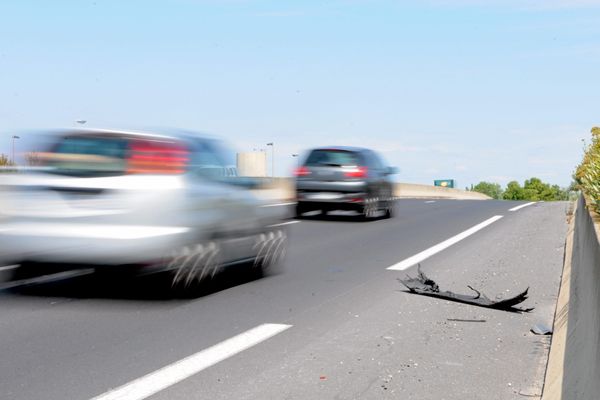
[{"x": 391, "y": 170}]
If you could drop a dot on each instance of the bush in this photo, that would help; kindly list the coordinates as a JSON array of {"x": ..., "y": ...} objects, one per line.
[
  {"x": 513, "y": 191},
  {"x": 493, "y": 190},
  {"x": 587, "y": 174}
]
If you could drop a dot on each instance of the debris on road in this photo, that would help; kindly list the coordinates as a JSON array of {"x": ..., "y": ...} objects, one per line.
[
  {"x": 541, "y": 329},
  {"x": 427, "y": 287}
]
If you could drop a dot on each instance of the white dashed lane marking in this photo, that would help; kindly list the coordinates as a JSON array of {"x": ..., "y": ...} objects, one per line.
[
  {"x": 417, "y": 258},
  {"x": 521, "y": 206},
  {"x": 165, "y": 377}
]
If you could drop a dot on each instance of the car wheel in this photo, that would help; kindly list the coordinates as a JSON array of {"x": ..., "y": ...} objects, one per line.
[
  {"x": 193, "y": 265},
  {"x": 271, "y": 249},
  {"x": 389, "y": 210},
  {"x": 369, "y": 209},
  {"x": 300, "y": 209}
]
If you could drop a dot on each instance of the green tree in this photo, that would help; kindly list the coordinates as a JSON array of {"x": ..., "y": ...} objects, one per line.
[
  {"x": 560, "y": 193},
  {"x": 493, "y": 190},
  {"x": 514, "y": 191},
  {"x": 535, "y": 190}
]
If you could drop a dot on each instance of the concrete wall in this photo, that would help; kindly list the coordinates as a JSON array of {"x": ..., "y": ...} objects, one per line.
[
  {"x": 412, "y": 190},
  {"x": 284, "y": 189},
  {"x": 573, "y": 371},
  {"x": 252, "y": 164},
  {"x": 581, "y": 368}
]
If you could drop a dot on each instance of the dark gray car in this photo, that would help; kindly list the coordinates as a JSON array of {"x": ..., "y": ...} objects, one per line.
[{"x": 344, "y": 178}]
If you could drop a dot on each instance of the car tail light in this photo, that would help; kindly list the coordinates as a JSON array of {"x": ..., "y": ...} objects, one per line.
[
  {"x": 302, "y": 171},
  {"x": 156, "y": 157},
  {"x": 358, "y": 172}
]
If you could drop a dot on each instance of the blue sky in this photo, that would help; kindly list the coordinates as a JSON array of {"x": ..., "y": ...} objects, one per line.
[{"x": 467, "y": 89}]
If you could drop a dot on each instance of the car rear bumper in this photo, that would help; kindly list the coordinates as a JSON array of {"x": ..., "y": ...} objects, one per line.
[
  {"x": 88, "y": 243},
  {"x": 354, "y": 198},
  {"x": 349, "y": 186},
  {"x": 315, "y": 192},
  {"x": 307, "y": 206}
]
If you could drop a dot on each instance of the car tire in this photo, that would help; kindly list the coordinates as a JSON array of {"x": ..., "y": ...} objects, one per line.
[
  {"x": 369, "y": 209},
  {"x": 271, "y": 252},
  {"x": 389, "y": 208},
  {"x": 300, "y": 209},
  {"x": 389, "y": 211},
  {"x": 192, "y": 266}
]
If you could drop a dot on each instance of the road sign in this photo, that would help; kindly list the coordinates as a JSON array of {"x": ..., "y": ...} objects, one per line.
[{"x": 444, "y": 183}]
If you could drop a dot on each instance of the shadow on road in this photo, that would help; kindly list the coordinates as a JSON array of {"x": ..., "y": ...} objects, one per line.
[
  {"x": 337, "y": 217},
  {"x": 113, "y": 285}
]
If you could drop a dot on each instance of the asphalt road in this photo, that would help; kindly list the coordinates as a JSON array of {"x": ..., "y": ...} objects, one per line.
[{"x": 343, "y": 327}]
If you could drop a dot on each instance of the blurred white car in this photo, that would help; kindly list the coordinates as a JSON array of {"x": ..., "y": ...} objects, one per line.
[{"x": 146, "y": 201}]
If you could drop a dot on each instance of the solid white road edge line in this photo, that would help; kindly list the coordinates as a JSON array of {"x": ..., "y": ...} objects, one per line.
[
  {"x": 156, "y": 381},
  {"x": 430, "y": 201},
  {"x": 417, "y": 258},
  {"x": 522, "y": 205}
]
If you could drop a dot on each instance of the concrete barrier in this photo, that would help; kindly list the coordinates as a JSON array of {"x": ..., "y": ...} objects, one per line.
[
  {"x": 573, "y": 371},
  {"x": 283, "y": 188},
  {"x": 412, "y": 190}
]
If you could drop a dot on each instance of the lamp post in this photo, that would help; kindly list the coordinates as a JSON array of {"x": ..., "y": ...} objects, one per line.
[
  {"x": 272, "y": 159},
  {"x": 13, "y": 147}
]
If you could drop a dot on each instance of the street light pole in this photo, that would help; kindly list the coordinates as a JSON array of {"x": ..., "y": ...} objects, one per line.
[
  {"x": 13, "y": 147},
  {"x": 272, "y": 159}
]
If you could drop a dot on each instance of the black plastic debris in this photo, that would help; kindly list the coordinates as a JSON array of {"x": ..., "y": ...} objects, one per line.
[
  {"x": 541, "y": 329},
  {"x": 427, "y": 287}
]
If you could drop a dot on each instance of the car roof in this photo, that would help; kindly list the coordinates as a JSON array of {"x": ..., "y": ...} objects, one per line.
[
  {"x": 158, "y": 133},
  {"x": 342, "y": 148}
]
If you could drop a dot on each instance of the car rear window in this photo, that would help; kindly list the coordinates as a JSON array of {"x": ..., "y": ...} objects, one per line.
[
  {"x": 112, "y": 155},
  {"x": 336, "y": 158},
  {"x": 88, "y": 156}
]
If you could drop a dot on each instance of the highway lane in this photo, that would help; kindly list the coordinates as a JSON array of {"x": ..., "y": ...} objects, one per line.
[{"x": 78, "y": 338}]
